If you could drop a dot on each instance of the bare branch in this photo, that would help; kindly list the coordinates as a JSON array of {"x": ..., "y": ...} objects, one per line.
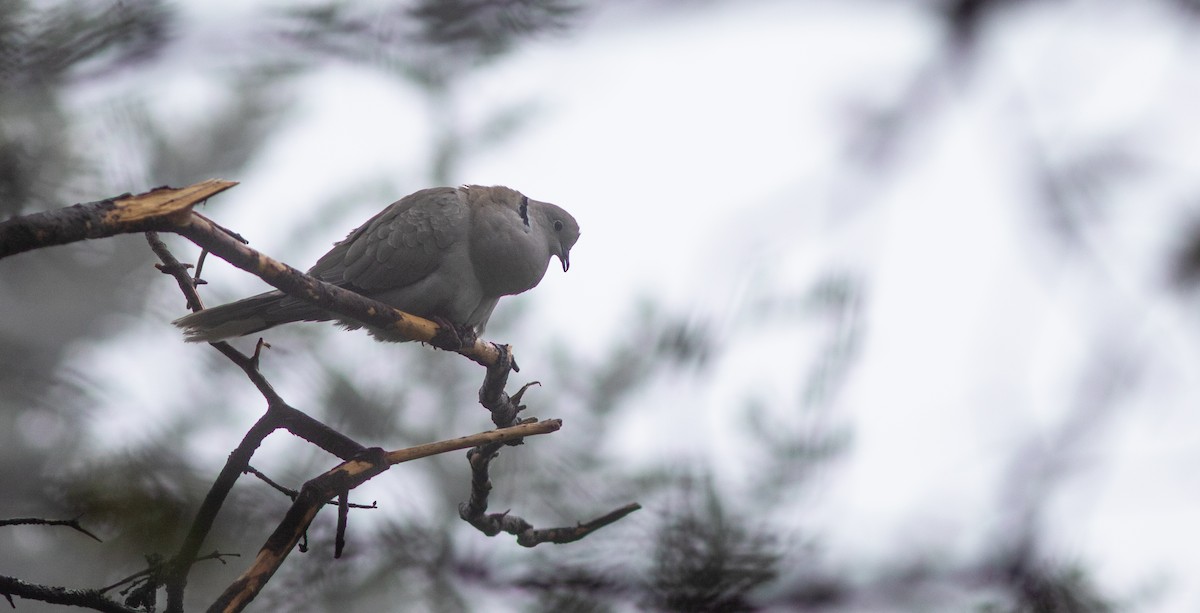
[
  {"x": 343, "y": 505},
  {"x": 474, "y": 510},
  {"x": 504, "y": 409},
  {"x": 292, "y": 494},
  {"x": 172, "y": 266},
  {"x": 88, "y": 599},
  {"x": 279, "y": 414},
  {"x": 158, "y": 209},
  {"x": 530, "y": 538},
  {"x": 347, "y": 476},
  {"x": 497, "y": 437},
  {"x": 157, "y": 568},
  {"x": 37, "y": 521},
  {"x": 313, "y": 496},
  {"x": 166, "y": 209}
]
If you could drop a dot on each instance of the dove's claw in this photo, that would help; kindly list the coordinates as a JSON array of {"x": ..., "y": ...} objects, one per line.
[
  {"x": 451, "y": 336},
  {"x": 468, "y": 336}
]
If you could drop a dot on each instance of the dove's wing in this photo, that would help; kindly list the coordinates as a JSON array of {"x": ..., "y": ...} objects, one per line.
[
  {"x": 441, "y": 252},
  {"x": 403, "y": 244}
]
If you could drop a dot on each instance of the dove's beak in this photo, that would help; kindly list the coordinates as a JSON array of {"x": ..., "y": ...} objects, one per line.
[{"x": 565, "y": 258}]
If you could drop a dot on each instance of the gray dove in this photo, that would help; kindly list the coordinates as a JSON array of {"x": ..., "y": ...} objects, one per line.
[{"x": 443, "y": 253}]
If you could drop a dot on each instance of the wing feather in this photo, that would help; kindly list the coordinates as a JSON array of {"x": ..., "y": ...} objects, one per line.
[{"x": 401, "y": 245}]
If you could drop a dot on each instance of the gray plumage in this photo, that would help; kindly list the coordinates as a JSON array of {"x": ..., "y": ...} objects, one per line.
[{"x": 444, "y": 252}]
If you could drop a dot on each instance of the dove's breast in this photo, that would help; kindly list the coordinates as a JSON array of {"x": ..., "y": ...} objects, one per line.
[{"x": 508, "y": 257}]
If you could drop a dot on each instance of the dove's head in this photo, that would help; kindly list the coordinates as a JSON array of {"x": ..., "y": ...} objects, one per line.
[{"x": 560, "y": 228}]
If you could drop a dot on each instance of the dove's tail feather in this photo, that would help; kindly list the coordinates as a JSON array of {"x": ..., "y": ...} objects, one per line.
[{"x": 246, "y": 316}]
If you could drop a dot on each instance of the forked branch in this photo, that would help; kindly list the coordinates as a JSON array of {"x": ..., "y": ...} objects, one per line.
[{"x": 170, "y": 210}]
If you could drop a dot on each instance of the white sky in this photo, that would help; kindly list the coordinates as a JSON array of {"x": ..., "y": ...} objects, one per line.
[{"x": 702, "y": 154}]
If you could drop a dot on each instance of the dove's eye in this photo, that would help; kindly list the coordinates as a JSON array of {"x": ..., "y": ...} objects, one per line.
[{"x": 558, "y": 225}]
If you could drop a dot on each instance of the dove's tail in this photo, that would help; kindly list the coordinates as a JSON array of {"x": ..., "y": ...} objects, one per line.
[{"x": 246, "y": 316}]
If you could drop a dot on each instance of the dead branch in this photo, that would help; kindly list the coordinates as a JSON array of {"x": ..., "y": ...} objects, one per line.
[
  {"x": 161, "y": 208},
  {"x": 313, "y": 496},
  {"x": 292, "y": 494},
  {"x": 498, "y": 437},
  {"x": 88, "y": 599},
  {"x": 279, "y": 415},
  {"x": 167, "y": 209},
  {"x": 474, "y": 511},
  {"x": 350, "y": 474},
  {"x": 37, "y": 521}
]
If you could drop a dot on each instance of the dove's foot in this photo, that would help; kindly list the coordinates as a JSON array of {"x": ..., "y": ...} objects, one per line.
[{"x": 451, "y": 336}]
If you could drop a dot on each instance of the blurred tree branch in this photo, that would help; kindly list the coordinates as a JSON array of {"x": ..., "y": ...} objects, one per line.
[
  {"x": 88, "y": 599},
  {"x": 37, "y": 521}
]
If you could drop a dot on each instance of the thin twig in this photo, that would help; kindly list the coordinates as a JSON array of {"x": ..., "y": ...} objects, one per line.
[
  {"x": 196, "y": 280},
  {"x": 291, "y": 493},
  {"x": 498, "y": 437},
  {"x": 37, "y": 521},
  {"x": 216, "y": 555}
]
